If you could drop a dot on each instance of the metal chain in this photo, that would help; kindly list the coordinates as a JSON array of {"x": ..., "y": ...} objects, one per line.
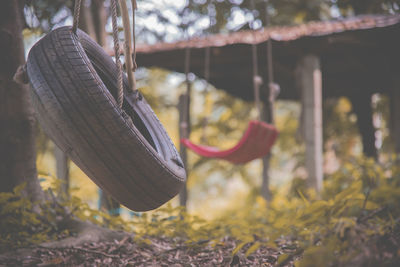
[
  {"x": 117, "y": 52},
  {"x": 77, "y": 11}
]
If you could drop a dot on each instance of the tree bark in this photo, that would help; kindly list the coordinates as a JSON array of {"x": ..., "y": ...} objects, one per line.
[
  {"x": 17, "y": 142},
  {"x": 86, "y": 20},
  {"x": 99, "y": 16}
]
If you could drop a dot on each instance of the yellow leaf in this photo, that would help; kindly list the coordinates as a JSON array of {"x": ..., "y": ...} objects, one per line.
[
  {"x": 239, "y": 247},
  {"x": 252, "y": 248},
  {"x": 282, "y": 258}
]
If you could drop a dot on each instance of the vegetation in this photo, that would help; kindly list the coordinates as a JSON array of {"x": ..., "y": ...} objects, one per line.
[{"x": 355, "y": 222}]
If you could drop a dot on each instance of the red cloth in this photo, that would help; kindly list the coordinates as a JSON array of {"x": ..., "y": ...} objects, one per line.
[{"x": 255, "y": 143}]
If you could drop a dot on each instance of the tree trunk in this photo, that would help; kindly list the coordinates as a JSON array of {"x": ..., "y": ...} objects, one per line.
[
  {"x": 361, "y": 105},
  {"x": 93, "y": 22},
  {"x": 86, "y": 20},
  {"x": 17, "y": 143},
  {"x": 99, "y": 16},
  {"x": 62, "y": 172}
]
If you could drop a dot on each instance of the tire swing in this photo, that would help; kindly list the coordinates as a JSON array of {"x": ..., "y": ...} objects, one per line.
[
  {"x": 259, "y": 136},
  {"x": 97, "y": 117}
]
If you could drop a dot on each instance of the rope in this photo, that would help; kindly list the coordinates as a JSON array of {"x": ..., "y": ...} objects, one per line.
[
  {"x": 272, "y": 87},
  {"x": 207, "y": 64},
  {"x": 77, "y": 11},
  {"x": 134, "y": 7},
  {"x": 128, "y": 43},
  {"x": 206, "y": 77},
  {"x": 269, "y": 46},
  {"x": 257, "y": 80},
  {"x": 185, "y": 119},
  {"x": 117, "y": 52}
]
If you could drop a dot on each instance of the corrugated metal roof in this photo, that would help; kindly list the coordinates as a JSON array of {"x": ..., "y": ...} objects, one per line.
[{"x": 285, "y": 33}]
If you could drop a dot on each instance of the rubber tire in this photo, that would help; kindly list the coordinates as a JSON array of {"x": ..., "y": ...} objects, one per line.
[{"x": 125, "y": 152}]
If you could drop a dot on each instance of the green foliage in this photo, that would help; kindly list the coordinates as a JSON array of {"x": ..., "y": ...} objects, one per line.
[
  {"x": 25, "y": 223},
  {"x": 359, "y": 209},
  {"x": 355, "y": 221},
  {"x": 20, "y": 225}
]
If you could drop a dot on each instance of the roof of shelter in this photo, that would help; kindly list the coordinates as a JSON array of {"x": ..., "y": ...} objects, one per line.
[
  {"x": 282, "y": 33},
  {"x": 350, "y": 50}
]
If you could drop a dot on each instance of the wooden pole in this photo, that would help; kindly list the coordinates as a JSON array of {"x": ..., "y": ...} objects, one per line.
[
  {"x": 362, "y": 107},
  {"x": 309, "y": 79},
  {"x": 268, "y": 110},
  {"x": 62, "y": 172},
  {"x": 395, "y": 115},
  {"x": 183, "y": 133},
  {"x": 184, "y": 125}
]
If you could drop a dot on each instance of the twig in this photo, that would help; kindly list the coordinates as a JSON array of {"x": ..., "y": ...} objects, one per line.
[
  {"x": 96, "y": 252},
  {"x": 366, "y": 199},
  {"x": 83, "y": 250},
  {"x": 185, "y": 246},
  {"x": 372, "y": 214}
]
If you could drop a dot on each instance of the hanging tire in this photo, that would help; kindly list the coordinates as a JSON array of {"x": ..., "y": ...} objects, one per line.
[{"x": 126, "y": 152}]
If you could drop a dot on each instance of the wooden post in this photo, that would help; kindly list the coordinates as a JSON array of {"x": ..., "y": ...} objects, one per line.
[
  {"x": 265, "y": 192},
  {"x": 309, "y": 79},
  {"x": 184, "y": 124},
  {"x": 108, "y": 204},
  {"x": 395, "y": 115},
  {"x": 184, "y": 130},
  {"x": 362, "y": 107},
  {"x": 268, "y": 110},
  {"x": 62, "y": 172}
]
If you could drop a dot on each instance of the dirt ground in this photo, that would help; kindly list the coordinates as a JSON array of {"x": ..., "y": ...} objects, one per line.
[{"x": 157, "y": 252}]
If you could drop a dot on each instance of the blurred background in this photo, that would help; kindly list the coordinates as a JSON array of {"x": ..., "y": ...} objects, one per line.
[{"x": 215, "y": 185}]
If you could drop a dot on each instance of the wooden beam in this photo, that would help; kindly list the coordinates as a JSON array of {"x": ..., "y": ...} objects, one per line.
[{"x": 309, "y": 80}]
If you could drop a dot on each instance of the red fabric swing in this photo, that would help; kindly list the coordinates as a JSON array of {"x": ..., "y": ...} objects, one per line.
[
  {"x": 259, "y": 136},
  {"x": 255, "y": 143}
]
